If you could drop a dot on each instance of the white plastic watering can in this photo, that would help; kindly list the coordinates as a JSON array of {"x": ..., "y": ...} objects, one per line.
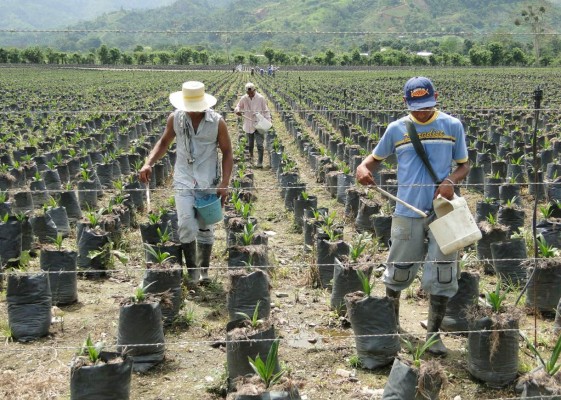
[{"x": 455, "y": 227}]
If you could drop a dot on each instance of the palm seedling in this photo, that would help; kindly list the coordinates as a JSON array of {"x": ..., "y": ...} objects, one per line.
[
  {"x": 550, "y": 366},
  {"x": 358, "y": 245},
  {"x": 248, "y": 233},
  {"x": 367, "y": 287},
  {"x": 140, "y": 293},
  {"x": 164, "y": 236},
  {"x": 266, "y": 369},
  {"x": 496, "y": 298},
  {"x": 546, "y": 211},
  {"x": 58, "y": 241},
  {"x": 419, "y": 350},
  {"x": 546, "y": 250},
  {"x": 491, "y": 219},
  {"x": 254, "y": 320},
  {"x": 158, "y": 255},
  {"x": 91, "y": 350}
]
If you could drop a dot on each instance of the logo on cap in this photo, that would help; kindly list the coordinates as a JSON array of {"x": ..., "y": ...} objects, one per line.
[{"x": 419, "y": 92}]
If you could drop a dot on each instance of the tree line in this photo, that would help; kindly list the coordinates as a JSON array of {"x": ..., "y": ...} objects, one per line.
[{"x": 450, "y": 51}]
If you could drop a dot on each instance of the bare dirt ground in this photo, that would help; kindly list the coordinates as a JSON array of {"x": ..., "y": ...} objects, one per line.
[{"x": 316, "y": 346}]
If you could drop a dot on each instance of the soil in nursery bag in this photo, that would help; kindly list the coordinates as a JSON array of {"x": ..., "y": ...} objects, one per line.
[
  {"x": 252, "y": 388},
  {"x": 109, "y": 379},
  {"x": 455, "y": 319},
  {"x": 253, "y": 255},
  {"x": 346, "y": 280},
  {"x": 243, "y": 341},
  {"x": 246, "y": 290},
  {"x": 140, "y": 325},
  {"x": 538, "y": 383},
  {"x": 61, "y": 266},
  {"x": 166, "y": 277},
  {"x": 408, "y": 382},
  {"x": 492, "y": 355},
  {"x": 29, "y": 306},
  {"x": 375, "y": 328},
  {"x": 544, "y": 288}
]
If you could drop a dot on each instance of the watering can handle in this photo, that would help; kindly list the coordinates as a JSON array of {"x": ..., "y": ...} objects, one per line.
[{"x": 409, "y": 206}]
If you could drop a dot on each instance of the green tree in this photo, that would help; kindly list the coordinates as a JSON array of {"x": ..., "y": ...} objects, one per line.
[
  {"x": 253, "y": 60},
  {"x": 103, "y": 53},
  {"x": 183, "y": 56},
  {"x": 497, "y": 53},
  {"x": 270, "y": 54},
  {"x": 33, "y": 55},
  {"x": 239, "y": 59},
  {"x": 518, "y": 56},
  {"x": 330, "y": 57},
  {"x": 479, "y": 56},
  {"x": 114, "y": 55},
  {"x": 3, "y": 55},
  {"x": 533, "y": 17}
]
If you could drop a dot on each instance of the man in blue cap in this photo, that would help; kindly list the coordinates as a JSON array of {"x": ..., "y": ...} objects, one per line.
[{"x": 443, "y": 139}]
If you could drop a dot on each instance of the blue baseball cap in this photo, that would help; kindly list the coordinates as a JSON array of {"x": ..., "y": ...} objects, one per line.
[{"x": 419, "y": 93}]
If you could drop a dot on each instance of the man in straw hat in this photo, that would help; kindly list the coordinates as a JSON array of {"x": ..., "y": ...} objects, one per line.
[
  {"x": 443, "y": 139},
  {"x": 249, "y": 105},
  {"x": 199, "y": 130}
]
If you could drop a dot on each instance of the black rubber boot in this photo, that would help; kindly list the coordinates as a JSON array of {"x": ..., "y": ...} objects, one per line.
[
  {"x": 204, "y": 252},
  {"x": 259, "y": 158},
  {"x": 394, "y": 295},
  {"x": 190, "y": 255},
  {"x": 437, "y": 310}
]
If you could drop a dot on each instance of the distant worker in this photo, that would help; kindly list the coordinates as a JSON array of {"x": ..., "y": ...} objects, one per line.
[{"x": 250, "y": 104}]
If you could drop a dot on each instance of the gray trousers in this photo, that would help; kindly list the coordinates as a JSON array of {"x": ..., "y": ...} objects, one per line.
[{"x": 413, "y": 245}]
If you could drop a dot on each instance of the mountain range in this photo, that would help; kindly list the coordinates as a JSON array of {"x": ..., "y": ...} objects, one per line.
[{"x": 252, "y": 25}]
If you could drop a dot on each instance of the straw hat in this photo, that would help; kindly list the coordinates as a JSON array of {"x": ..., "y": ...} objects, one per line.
[{"x": 192, "y": 97}]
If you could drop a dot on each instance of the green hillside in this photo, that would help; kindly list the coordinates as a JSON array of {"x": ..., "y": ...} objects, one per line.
[{"x": 294, "y": 25}]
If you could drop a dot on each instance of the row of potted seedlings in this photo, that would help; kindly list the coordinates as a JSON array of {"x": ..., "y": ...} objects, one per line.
[{"x": 251, "y": 342}]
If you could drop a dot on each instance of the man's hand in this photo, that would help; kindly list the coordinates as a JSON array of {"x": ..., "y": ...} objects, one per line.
[
  {"x": 222, "y": 191},
  {"x": 145, "y": 173},
  {"x": 445, "y": 189},
  {"x": 364, "y": 176}
]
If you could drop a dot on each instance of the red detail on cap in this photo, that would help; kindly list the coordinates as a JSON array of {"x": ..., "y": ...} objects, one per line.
[{"x": 420, "y": 92}]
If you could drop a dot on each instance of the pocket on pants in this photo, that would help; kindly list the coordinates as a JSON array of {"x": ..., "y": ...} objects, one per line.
[
  {"x": 402, "y": 272},
  {"x": 444, "y": 271}
]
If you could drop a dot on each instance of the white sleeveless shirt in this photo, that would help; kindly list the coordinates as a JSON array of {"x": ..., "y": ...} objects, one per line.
[{"x": 196, "y": 164}]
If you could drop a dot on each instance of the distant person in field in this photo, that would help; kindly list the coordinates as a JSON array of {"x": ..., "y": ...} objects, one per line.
[
  {"x": 199, "y": 131},
  {"x": 443, "y": 139},
  {"x": 249, "y": 105}
]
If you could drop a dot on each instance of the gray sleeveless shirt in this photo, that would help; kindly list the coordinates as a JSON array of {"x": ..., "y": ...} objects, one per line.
[{"x": 196, "y": 163}]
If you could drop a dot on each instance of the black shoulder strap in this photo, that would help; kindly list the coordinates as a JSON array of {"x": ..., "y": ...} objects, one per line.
[{"x": 419, "y": 148}]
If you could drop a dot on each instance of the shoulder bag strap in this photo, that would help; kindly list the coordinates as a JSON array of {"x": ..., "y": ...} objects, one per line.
[{"x": 419, "y": 149}]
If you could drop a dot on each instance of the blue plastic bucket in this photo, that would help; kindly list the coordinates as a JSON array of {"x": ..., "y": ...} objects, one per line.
[{"x": 209, "y": 209}]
